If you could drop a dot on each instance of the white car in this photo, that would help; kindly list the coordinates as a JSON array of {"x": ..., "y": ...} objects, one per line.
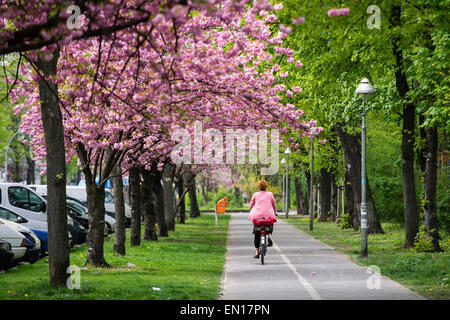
[
  {"x": 15, "y": 238},
  {"x": 32, "y": 242},
  {"x": 25, "y": 202}
]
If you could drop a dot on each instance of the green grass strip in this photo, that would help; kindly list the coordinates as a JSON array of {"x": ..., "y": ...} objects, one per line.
[{"x": 186, "y": 265}]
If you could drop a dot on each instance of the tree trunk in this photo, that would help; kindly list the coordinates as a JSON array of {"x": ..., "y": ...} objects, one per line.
[
  {"x": 96, "y": 211},
  {"x": 148, "y": 200},
  {"x": 302, "y": 206},
  {"x": 352, "y": 153},
  {"x": 408, "y": 131},
  {"x": 308, "y": 183},
  {"x": 409, "y": 186},
  {"x": 350, "y": 205},
  {"x": 168, "y": 174},
  {"x": 159, "y": 200},
  {"x": 30, "y": 169},
  {"x": 58, "y": 241},
  {"x": 135, "y": 200},
  {"x": 325, "y": 194},
  {"x": 421, "y": 150},
  {"x": 430, "y": 216},
  {"x": 190, "y": 184},
  {"x": 119, "y": 208},
  {"x": 334, "y": 199},
  {"x": 181, "y": 201}
]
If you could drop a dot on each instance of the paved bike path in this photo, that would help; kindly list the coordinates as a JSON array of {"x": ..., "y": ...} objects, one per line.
[{"x": 297, "y": 267}]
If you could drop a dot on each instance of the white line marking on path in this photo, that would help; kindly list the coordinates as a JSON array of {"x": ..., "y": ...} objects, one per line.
[{"x": 312, "y": 292}]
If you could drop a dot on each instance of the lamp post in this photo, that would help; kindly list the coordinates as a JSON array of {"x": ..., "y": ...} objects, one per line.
[
  {"x": 363, "y": 89},
  {"x": 287, "y": 152},
  {"x": 311, "y": 188},
  {"x": 5, "y": 173}
]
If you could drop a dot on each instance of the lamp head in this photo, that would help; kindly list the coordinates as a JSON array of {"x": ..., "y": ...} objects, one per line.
[{"x": 364, "y": 87}]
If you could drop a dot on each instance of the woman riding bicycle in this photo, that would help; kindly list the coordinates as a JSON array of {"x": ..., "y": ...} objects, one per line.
[{"x": 262, "y": 205}]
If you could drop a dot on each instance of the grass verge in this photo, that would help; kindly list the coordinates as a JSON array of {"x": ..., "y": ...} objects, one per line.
[
  {"x": 423, "y": 272},
  {"x": 186, "y": 265}
]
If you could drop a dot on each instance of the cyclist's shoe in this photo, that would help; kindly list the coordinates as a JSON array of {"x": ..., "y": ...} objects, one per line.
[
  {"x": 256, "y": 256},
  {"x": 270, "y": 243}
]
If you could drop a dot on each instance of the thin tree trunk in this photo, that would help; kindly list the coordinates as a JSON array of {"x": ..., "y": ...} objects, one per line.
[
  {"x": 168, "y": 174},
  {"x": 190, "y": 181},
  {"x": 430, "y": 216},
  {"x": 58, "y": 241},
  {"x": 135, "y": 200},
  {"x": 30, "y": 170},
  {"x": 352, "y": 153},
  {"x": 334, "y": 199},
  {"x": 308, "y": 183},
  {"x": 302, "y": 206},
  {"x": 148, "y": 200},
  {"x": 181, "y": 201},
  {"x": 325, "y": 194},
  {"x": 350, "y": 205},
  {"x": 119, "y": 206},
  {"x": 409, "y": 185},
  {"x": 408, "y": 131}
]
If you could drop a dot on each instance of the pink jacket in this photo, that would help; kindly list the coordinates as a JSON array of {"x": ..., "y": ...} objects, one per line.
[{"x": 262, "y": 205}]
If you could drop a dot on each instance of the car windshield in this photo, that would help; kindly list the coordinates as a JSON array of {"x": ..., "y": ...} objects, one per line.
[
  {"x": 77, "y": 206},
  {"x": 8, "y": 215}
]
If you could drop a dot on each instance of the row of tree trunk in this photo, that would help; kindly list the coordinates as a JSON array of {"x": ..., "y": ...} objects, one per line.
[{"x": 153, "y": 201}]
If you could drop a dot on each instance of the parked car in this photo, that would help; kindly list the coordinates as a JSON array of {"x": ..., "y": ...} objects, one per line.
[
  {"x": 32, "y": 242},
  {"x": 6, "y": 255},
  {"x": 24, "y": 201},
  {"x": 78, "y": 232},
  {"x": 16, "y": 239},
  {"x": 79, "y": 212},
  {"x": 41, "y": 234}
]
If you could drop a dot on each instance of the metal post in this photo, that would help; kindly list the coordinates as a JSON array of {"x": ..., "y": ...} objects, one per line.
[
  {"x": 363, "y": 185},
  {"x": 338, "y": 202},
  {"x": 5, "y": 172},
  {"x": 287, "y": 188},
  {"x": 311, "y": 190},
  {"x": 319, "y": 208},
  {"x": 283, "y": 183},
  {"x": 215, "y": 214}
]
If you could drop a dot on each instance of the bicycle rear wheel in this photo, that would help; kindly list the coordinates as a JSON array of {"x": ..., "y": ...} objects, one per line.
[
  {"x": 262, "y": 253},
  {"x": 263, "y": 248}
]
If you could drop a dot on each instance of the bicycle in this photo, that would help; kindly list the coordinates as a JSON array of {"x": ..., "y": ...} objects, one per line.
[{"x": 263, "y": 226}]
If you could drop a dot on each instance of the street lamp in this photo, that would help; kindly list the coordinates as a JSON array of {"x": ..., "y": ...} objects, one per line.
[
  {"x": 311, "y": 188},
  {"x": 5, "y": 173},
  {"x": 287, "y": 152},
  {"x": 364, "y": 89}
]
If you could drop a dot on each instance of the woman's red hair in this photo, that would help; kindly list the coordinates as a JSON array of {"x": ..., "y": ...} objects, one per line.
[{"x": 262, "y": 185}]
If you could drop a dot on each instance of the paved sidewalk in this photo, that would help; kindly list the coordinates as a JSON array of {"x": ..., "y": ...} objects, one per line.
[{"x": 297, "y": 267}]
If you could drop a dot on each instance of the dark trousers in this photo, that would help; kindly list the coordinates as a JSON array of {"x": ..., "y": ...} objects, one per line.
[{"x": 257, "y": 233}]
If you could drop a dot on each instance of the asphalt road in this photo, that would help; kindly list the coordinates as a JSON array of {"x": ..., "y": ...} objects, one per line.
[{"x": 298, "y": 267}]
